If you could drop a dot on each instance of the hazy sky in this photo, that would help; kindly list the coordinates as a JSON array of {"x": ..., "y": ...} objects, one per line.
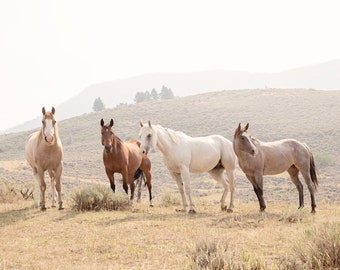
[{"x": 51, "y": 50}]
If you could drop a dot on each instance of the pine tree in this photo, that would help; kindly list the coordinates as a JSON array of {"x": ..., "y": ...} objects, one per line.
[
  {"x": 166, "y": 93},
  {"x": 98, "y": 105}
]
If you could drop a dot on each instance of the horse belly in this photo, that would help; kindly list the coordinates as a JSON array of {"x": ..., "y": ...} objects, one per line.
[{"x": 277, "y": 165}]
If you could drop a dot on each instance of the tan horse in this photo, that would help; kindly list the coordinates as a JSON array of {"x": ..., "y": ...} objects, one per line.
[
  {"x": 124, "y": 157},
  {"x": 44, "y": 152},
  {"x": 257, "y": 158}
]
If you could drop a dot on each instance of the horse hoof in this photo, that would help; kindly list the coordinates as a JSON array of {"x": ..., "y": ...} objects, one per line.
[
  {"x": 180, "y": 210},
  {"x": 53, "y": 206},
  {"x": 151, "y": 205},
  {"x": 224, "y": 208},
  {"x": 61, "y": 208},
  {"x": 43, "y": 208},
  {"x": 230, "y": 210},
  {"x": 192, "y": 211}
]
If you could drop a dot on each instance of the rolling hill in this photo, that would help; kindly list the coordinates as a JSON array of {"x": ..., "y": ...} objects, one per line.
[
  {"x": 310, "y": 116},
  {"x": 323, "y": 76}
]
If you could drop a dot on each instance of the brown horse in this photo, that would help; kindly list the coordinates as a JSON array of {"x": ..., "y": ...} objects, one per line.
[
  {"x": 124, "y": 157},
  {"x": 44, "y": 152},
  {"x": 257, "y": 158}
]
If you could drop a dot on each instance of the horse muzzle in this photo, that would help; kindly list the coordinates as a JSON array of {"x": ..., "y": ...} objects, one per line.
[
  {"x": 145, "y": 151},
  {"x": 108, "y": 148},
  {"x": 49, "y": 139}
]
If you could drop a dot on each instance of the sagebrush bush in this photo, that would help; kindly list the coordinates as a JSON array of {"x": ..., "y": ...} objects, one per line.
[
  {"x": 319, "y": 249},
  {"x": 215, "y": 255},
  {"x": 322, "y": 247},
  {"x": 99, "y": 198},
  {"x": 8, "y": 193}
]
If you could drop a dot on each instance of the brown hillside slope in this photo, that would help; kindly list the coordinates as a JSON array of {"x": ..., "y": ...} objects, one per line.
[{"x": 307, "y": 115}]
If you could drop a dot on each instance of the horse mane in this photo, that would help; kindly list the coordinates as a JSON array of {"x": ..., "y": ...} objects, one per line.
[
  {"x": 255, "y": 140},
  {"x": 175, "y": 135}
]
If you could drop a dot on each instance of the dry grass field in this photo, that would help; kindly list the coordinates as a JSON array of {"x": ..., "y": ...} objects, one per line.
[
  {"x": 159, "y": 237},
  {"x": 155, "y": 238}
]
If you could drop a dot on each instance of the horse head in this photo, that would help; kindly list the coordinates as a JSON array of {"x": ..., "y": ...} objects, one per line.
[
  {"x": 49, "y": 125},
  {"x": 148, "y": 137},
  {"x": 243, "y": 141},
  {"x": 108, "y": 136}
]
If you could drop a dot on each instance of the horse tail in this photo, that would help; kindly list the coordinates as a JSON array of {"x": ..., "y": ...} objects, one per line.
[
  {"x": 313, "y": 172},
  {"x": 139, "y": 174}
]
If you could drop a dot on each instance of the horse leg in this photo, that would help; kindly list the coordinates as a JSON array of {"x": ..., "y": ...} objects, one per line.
[
  {"x": 39, "y": 175},
  {"x": 185, "y": 174},
  {"x": 257, "y": 183},
  {"x": 147, "y": 174},
  {"x": 131, "y": 182},
  {"x": 217, "y": 174},
  {"x": 139, "y": 188},
  {"x": 231, "y": 179},
  {"x": 58, "y": 173},
  {"x": 110, "y": 175},
  {"x": 306, "y": 175},
  {"x": 179, "y": 182},
  {"x": 294, "y": 176},
  {"x": 52, "y": 176}
]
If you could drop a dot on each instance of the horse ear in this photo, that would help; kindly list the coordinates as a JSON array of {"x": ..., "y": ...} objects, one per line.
[
  {"x": 43, "y": 110},
  {"x": 111, "y": 123},
  {"x": 149, "y": 122},
  {"x": 53, "y": 110},
  {"x": 141, "y": 123},
  {"x": 246, "y": 127},
  {"x": 238, "y": 129},
  {"x": 102, "y": 122}
]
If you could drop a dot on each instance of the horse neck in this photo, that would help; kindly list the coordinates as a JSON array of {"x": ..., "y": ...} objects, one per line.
[
  {"x": 117, "y": 145},
  {"x": 163, "y": 140}
]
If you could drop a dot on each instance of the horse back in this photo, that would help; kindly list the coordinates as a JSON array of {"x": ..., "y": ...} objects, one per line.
[{"x": 279, "y": 156}]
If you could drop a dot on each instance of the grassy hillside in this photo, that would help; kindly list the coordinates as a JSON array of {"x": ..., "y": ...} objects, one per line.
[
  {"x": 160, "y": 237},
  {"x": 307, "y": 115}
]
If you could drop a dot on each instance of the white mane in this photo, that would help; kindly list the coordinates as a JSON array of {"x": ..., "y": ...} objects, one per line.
[{"x": 173, "y": 134}]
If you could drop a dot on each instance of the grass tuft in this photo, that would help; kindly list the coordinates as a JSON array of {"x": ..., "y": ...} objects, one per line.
[
  {"x": 170, "y": 198},
  {"x": 217, "y": 255},
  {"x": 99, "y": 198},
  {"x": 320, "y": 249},
  {"x": 8, "y": 193}
]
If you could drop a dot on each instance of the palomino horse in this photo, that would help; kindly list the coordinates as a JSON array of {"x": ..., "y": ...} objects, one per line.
[
  {"x": 44, "y": 152},
  {"x": 184, "y": 155},
  {"x": 257, "y": 158},
  {"x": 124, "y": 157}
]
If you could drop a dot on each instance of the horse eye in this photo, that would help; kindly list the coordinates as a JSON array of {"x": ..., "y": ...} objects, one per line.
[
  {"x": 53, "y": 122},
  {"x": 149, "y": 136}
]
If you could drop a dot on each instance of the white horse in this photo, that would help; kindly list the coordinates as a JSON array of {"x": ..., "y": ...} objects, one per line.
[{"x": 184, "y": 155}]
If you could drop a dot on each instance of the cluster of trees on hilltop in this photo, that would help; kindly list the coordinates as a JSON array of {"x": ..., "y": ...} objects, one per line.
[{"x": 166, "y": 93}]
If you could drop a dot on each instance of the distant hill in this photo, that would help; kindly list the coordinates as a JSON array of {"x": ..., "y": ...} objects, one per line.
[
  {"x": 323, "y": 76},
  {"x": 311, "y": 116}
]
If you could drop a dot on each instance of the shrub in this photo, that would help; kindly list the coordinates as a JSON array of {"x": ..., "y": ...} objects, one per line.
[
  {"x": 216, "y": 255},
  {"x": 209, "y": 255},
  {"x": 323, "y": 159},
  {"x": 320, "y": 249},
  {"x": 8, "y": 193},
  {"x": 99, "y": 198},
  {"x": 323, "y": 247}
]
